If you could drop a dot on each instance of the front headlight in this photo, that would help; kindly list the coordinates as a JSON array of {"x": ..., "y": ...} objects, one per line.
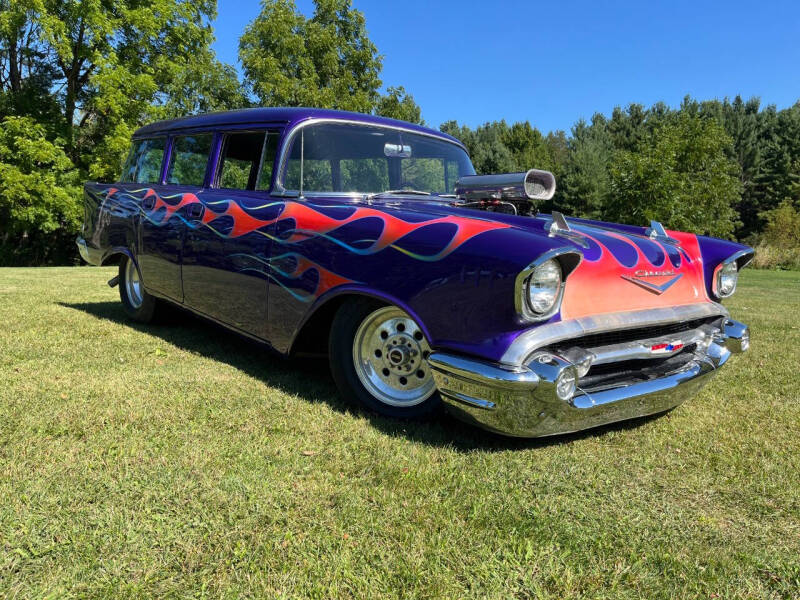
[
  {"x": 539, "y": 288},
  {"x": 544, "y": 287},
  {"x": 726, "y": 279}
]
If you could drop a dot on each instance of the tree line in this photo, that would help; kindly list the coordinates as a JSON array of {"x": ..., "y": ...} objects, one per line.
[{"x": 77, "y": 77}]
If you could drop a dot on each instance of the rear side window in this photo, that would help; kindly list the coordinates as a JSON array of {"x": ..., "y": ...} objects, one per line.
[
  {"x": 189, "y": 159},
  {"x": 247, "y": 160},
  {"x": 143, "y": 164}
]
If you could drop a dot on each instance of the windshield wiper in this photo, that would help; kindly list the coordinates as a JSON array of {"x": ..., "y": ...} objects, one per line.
[{"x": 400, "y": 193}]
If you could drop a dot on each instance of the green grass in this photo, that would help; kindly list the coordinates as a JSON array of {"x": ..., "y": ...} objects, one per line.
[{"x": 181, "y": 461}]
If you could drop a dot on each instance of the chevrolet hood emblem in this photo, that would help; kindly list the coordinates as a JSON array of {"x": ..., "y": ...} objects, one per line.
[{"x": 657, "y": 282}]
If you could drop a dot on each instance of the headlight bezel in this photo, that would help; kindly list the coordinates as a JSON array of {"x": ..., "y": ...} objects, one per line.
[
  {"x": 567, "y": 259},
  {"x": 736, "y": 262}
]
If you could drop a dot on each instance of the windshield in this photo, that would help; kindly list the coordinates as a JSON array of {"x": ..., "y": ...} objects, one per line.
[{"x": 367, "y": 159}]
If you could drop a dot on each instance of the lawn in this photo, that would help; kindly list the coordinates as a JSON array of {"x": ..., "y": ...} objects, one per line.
[{"x": 181, "y": 461}]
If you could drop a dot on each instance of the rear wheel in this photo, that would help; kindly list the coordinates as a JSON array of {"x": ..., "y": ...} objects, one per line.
[
  {"x": 378, "y": 356},
  {"x": 138, "y": 304}
]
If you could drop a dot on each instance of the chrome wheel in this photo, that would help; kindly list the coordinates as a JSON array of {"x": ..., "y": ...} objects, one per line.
[
  {"x": 390, "y": 355},
  {"x": 133, "y": 285}
]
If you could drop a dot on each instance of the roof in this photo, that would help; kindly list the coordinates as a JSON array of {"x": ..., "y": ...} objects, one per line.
[{"x": 286, "y": 115}]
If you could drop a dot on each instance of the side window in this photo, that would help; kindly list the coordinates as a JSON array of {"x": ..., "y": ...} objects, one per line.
[
  {"x": 143, "y": 164},
  {"x": 247, "y": 159},
  {"x": 189, "y": 159},
  {"x": 129, "y": 166}
]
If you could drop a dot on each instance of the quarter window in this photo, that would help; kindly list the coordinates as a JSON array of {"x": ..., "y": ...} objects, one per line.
[
  {"x": 247, "y": 160},
  {"x": 189, "y": 159},
  {"x": 143, "y": 164}
]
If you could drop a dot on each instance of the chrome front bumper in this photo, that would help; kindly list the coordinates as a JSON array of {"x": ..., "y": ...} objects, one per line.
[{"x": 522, "y": 401}]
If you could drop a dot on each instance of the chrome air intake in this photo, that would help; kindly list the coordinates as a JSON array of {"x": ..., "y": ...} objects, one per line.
[{"x": 507, "y": 192}]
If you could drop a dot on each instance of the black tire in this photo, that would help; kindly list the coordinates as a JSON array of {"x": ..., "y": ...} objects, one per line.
[
  {"x": 142, "y": 308},
  {"x": 346, "y": 325}
]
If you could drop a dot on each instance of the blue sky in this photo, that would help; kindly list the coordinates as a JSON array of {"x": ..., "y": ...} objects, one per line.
[{"x": 554, "y": 62}]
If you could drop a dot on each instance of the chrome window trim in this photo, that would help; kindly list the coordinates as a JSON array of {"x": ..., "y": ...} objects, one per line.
[
  {"x": 289, "y": 137},
  {"x": 520, "y": 285},
  {"x": 531, "y": 340},
  {"x": 223, "y": 135},
  {"x": 742, "y": 259}
]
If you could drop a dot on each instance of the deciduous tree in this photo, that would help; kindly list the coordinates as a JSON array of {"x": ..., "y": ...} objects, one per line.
[
  {"x": 325, "y": 61},
  {"x": 680, "y": 174}
]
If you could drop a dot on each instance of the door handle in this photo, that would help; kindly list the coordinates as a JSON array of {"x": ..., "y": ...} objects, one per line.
[{"x": 196, "y": 210}]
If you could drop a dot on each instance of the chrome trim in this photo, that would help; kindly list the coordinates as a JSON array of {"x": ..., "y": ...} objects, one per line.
[
  {"x": 509, "y": 186},
  {"x": 522, "y": 401},
  {"x": 531, "y": 340},
  {"x": 641, "y": 349},
  {"x": 291, "y": 133},
  {"x": 559, "y": 224},
  {"x": 520, "y": 285},
  {"x": 84, "y": 251},
  {"x": 656, "y": 231},
  {"x": 562, "y": 229},
  {"x": 736, "y": 336},
  {"x": 93, "y": 256},
  {"x": 745, "y": 256}
]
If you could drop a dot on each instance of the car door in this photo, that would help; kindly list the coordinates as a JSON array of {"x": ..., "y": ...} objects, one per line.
[
  {"x": 225, "y": 267},
  {"x": 167, "y": 212},
  {"x": 160, "y": 237}
]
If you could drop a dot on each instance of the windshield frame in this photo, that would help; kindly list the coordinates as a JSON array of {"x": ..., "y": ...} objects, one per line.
[{"x": 290, "y": 136}]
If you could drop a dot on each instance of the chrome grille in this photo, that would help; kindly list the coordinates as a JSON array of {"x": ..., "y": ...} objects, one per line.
[{"x": 630, "y": 335}]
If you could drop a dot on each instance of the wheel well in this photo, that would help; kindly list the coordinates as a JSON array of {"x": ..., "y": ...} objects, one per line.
[
  {"x": 312, "y": 339},
  {"x": 112, "y": 259}
]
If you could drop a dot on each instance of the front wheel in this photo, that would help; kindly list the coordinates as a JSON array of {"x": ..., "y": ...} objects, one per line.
[
  {"x": 138, "y": 304},
  {"x": 378, "y": 355}
]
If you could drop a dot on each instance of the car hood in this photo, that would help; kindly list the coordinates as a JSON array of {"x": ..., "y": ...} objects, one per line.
[{"x": 623, "y": 268}]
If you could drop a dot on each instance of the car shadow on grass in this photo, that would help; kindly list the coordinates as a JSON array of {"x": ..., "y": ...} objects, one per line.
[{"x": 310, "y": 379}]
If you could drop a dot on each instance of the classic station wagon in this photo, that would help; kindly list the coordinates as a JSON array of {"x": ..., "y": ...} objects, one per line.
[{"x": 372, "y": 240}]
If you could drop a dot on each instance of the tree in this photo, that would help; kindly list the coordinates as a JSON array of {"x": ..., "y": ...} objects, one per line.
[
  {"x": 398, "y": 104},
  {"x": 680, "y": 174},
  {"x": 528, "y": 147},
  {"x": 326, "y": 61},
  {"x": 783, "y": 225},
  {"x": 83, "y": 75},
  {"x": 109, "y": 66},
  {"x": 586, "y": 182},
  {"x": 40, "y": 199}
]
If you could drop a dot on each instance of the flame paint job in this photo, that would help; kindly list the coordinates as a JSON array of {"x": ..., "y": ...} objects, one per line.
[
  {"x": 264, "y": 264},
  {"x": 602, "y": 283},
  {"x": 451, "y": 268},
  {"x": 304, "y": 220}
]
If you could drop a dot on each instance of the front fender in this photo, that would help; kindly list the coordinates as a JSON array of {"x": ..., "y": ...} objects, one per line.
[{"x": 455, "y": 275}]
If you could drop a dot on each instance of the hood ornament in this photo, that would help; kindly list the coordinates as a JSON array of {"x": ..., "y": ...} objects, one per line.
[
  {"x": 656, "y": 231},
  {"x": 559, "y": 224}
]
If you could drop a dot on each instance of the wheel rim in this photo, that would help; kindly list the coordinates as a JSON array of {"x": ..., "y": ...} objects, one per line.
[
  {"x": 390, "y": 355},
  {"x": 133, "y": 285}
]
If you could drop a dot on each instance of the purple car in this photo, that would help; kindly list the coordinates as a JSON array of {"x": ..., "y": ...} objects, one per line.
[{"x": 373, "y": 241}]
